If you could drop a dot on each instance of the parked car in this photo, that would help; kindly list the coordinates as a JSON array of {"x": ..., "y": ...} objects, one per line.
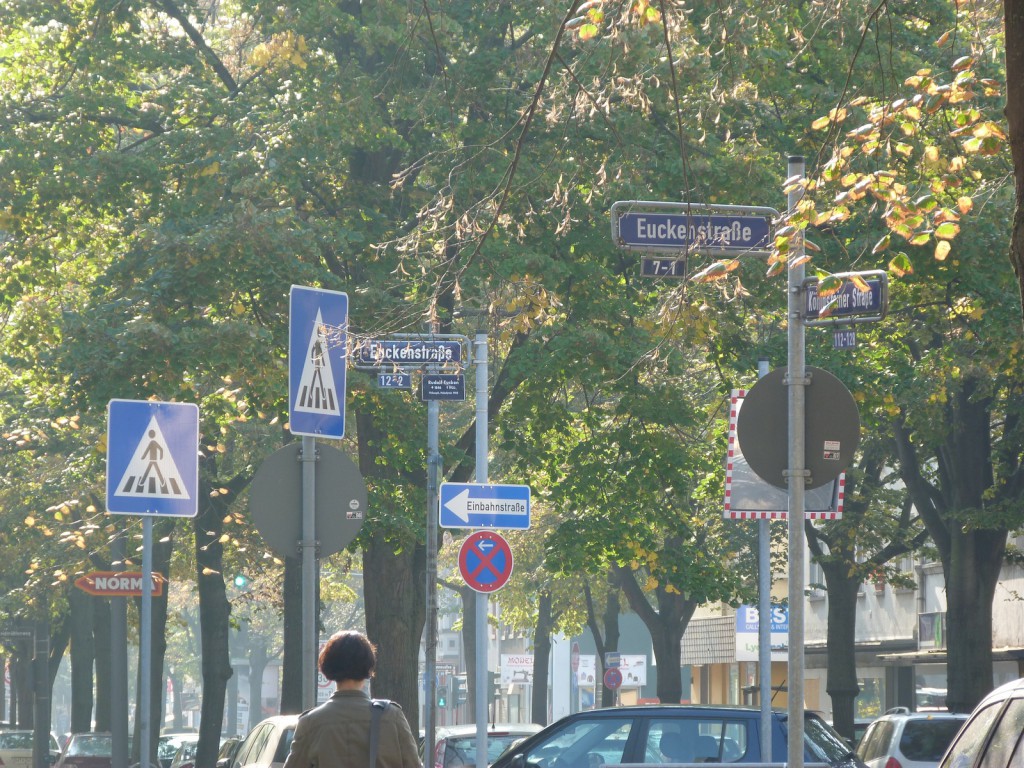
[
  {"x": 267, "y": 744},
  {"x": 168, "y": 744},
  {"x": 16, "y": 749},
  {"x": 455, "y": 745},
  {"x": 228, "y": 749},
  {"x": 185, "y": 757},
  {"x": 661, "y": 734},
  {"x": 87, "y": 750},
  {"x": 904, "y": 739},
  {"x": 993, "y": 735}
]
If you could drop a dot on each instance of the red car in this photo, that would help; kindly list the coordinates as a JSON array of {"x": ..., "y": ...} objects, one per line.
[{"x": 86, "y": 750}]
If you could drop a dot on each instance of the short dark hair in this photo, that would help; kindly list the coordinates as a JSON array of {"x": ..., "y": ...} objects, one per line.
[{"x": 348, "y": 655}]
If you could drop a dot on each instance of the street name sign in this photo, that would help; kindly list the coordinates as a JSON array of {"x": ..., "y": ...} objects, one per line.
[
  {"x": 481, "y": 505},
  {"x": 152, "y": 458},
  {"x": 407, "y": 352},
  {"x": 118, "y": 584},
  {"x": 849, "y": 304},
  {"x": 317, "y": 348},
  {"x": 691, "y": 228}
]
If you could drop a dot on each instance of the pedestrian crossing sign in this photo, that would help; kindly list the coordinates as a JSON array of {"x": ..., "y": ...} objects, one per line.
[
  {"x": 152, "y": 458},
  {"x": 318, "y": 328}
]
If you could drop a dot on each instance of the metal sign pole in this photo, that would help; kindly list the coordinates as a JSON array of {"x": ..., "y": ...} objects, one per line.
[
  {"x": 764, "y": 625},
  {"x": 480, "y": 688},
  {"x": 430, "y": 649},
  {"x": 146, "y": 640},
  {"x": 797, "y": 476},
  {"x": 308, "y": 551}
]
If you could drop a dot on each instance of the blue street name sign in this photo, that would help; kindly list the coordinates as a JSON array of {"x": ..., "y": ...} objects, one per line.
[
  {"x": 152, "y": 458},
  {"x": 443, "y": 386},
  {"x": 694, "y": 231},
  {"x": 394, "y": 380},
  {"x": 849, "y": 301},
  {"x": 407, "y": 352},
  {"x": 481, "y": 505},
  {"x": 317, "y": 348}
]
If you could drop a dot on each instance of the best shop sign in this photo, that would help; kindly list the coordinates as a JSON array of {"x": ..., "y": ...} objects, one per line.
[{"x": 747, "y": 625}]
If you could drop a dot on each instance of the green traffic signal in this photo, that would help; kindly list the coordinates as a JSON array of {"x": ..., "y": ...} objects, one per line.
[
  {"x": 442, "y": 697},
  {"x": 241, "y": 580}
]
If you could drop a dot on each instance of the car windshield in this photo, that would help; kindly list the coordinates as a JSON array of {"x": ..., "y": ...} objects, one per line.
[
  {"x": 821, "y": 743},
  {"x": 90, "y": 745},
  {"x": 582, "y": 743},
  {"x": 16, "y": 740},
  {"x": 928, "y": 739},
  {"x": 462, "y": 750}
]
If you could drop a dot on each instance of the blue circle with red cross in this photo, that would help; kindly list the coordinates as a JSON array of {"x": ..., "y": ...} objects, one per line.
[{"x": 485, "y": 561}]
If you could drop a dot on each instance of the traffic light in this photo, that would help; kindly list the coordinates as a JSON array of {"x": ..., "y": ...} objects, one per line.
[
  {"x": 442, "y": 696},
  {"x": 241, "y": 580},
  {"x": 460, "y": 689}
]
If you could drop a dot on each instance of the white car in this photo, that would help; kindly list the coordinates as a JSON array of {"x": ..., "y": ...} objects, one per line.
[
  {"x": 904, "y": 739},
  {"x": 455, "y": 745},
  {"x": 16, "y": 749},
  {"x": 268, "y": 744}
]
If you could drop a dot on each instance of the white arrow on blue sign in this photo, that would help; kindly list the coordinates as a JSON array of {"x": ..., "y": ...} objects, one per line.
[
  {"x": 317, "y": 339},
  {"x": 152, "y": 458},
  {"x": 481, "y": 505}
]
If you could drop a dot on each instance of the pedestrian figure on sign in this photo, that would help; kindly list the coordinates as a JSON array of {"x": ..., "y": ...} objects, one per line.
[{"x": 154, "y": 454}]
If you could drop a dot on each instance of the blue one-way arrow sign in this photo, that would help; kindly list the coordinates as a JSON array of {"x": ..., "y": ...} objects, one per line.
[{"x": 480, "y": 505}]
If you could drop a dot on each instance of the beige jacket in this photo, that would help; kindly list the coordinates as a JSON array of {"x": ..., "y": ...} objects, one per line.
[{"x": 337, "y": 735}]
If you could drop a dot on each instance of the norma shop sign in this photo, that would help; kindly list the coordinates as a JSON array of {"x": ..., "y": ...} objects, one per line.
[{"x": 118, "y": 584}]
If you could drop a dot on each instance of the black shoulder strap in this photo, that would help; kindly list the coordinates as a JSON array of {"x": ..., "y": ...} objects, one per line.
[{"x": 378, "y": 706}]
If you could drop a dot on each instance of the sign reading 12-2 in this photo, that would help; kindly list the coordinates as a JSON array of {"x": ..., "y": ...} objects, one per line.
[
  {"x": 317, "y": 340},
  {"x": 152, "y": 458}
]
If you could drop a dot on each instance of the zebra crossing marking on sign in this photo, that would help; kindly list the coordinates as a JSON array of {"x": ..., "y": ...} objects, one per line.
[
  {"x": 152, "y": 471},
  {"x": 317, "y": 390}
]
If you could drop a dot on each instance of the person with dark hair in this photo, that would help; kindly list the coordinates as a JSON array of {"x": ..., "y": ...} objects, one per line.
[{"x": 350, "y": 729}]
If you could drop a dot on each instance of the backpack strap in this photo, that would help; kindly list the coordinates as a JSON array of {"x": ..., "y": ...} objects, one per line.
[{"x": 378, "y": 706}]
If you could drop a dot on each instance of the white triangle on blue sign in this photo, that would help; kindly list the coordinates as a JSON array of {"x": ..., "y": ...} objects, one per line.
[
  {"x": 317, "y": 391},
  {"x": 152, "y": 472}
]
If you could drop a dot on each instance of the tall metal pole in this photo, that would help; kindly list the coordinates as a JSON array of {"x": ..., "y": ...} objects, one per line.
[
  {"x": 430, "y": 650},
  {"x": 796, "y": 379},
  {"x": 118, "y": 665},
  {"x": 145, "y": 641},
  {"x": 764, "y": 624},
  {"x": 480, "y": 692},
  {"x": 307, "y": 549}
]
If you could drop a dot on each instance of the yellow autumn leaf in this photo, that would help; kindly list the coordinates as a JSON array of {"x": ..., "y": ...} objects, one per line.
[
  {"x": 211, "y": 169},
  {"x": 965, "y": 204},
  {"x": 30, "y": 521},
  {"x": 942, "y": 249}
]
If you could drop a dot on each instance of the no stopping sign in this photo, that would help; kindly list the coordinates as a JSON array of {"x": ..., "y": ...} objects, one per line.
[{"x": 485, "y": 561}]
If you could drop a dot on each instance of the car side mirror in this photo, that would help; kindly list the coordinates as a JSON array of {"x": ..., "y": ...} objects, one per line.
[{"x": 519, "y": 761}]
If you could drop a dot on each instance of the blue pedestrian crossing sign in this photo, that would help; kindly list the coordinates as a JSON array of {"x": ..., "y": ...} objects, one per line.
[
  {"x": 152, "y": 458},
  {"x": 317, "y": 341}
]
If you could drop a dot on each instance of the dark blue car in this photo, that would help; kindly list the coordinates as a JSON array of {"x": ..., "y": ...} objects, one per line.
[{"x": 660, "y": 735}]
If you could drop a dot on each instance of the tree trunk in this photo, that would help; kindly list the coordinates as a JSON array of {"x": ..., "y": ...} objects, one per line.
[
  {"x": 1013, "y": 19},
  {"x": 541, "y": 658},
  {"x": 291, "y": 663},
  {"x": 103, "y": 640},
  {"x": 666, "y": 625},
  {"x": 970, "y": 590},
  {"x": 843, "y": 687},
  {"x": 214, "y": 620},
  {"x": 395, "y": 606},
  {"x": 258, "y": 658},
  {"x": 83, "y": 657}
]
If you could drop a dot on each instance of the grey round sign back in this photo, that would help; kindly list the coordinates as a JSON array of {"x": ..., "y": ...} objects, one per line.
[
  {"x": 275, "y": 500},
  {"x": 832, "y": 427}
]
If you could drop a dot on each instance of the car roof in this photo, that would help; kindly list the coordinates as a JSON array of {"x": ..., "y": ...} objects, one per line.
[
  {"x": 469, "y": 729},
  {"x": 1005, "y": 690}
]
